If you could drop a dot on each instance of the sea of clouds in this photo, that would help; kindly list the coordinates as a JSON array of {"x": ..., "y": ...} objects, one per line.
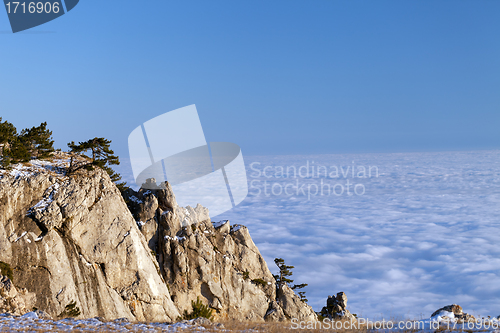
[{"x": 418, "y": 233}]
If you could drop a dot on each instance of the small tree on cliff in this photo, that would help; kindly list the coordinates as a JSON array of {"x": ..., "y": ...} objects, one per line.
[
  {"x": 302, "y": 295},
  {"x": 283, "y": 278},
  {"x": 38, "y": 141},
  {"x": 34, "y": 142},
  {"x": 17, "y": 152},
  {"x": 8, "y": 134},
  {"x": 99, "y": 155},
  {"x": 285, "y": 272}
]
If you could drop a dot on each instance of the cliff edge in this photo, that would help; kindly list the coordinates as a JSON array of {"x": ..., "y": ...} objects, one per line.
[{"x": 75, "y": 238}]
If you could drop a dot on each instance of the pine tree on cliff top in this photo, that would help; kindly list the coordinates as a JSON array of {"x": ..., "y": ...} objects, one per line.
[
  {"x": 283, "y": 278},
  {"x": 17, "y": 152},
  {"x": 38, "y": 140},
  {"x": 285, "y": 272},
  {"x": 31, "y": 143},
  {"x": 7, "y": 132},
  {"x": 99, "y": 155}
]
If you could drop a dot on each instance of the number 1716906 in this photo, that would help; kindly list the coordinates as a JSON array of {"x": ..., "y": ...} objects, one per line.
[{"x": 32, "y": 7}]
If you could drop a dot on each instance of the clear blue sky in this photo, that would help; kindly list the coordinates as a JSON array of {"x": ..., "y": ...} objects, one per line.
[{"x": 275, "y": 76}]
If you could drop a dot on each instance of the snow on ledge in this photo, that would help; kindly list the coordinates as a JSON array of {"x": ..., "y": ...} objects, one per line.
[{"x": 220, "y": 223}]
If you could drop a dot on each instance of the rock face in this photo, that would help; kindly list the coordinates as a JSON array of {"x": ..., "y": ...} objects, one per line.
[
  {"x": 293, "y": 306},
  {"x": 215, "y": 261},
  {"x": 73, "y": 239},
  {"x": 336, "y": 308},
  {"x": 275, "y": 312},
  {"x": 457, "y": 312}
]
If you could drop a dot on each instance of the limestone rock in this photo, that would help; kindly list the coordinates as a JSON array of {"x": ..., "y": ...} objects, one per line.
[
  {"x": 200, "y": 321},
  {"x": 457, "y": 312},
  {"x": 143, "y": 206},
  {"x": 72, "y": 238},
  {"x": 215, "y": 261},
  {"x": 197, "y": 259},
  {"x": 224, "y": 227},
  {"x": 455, "y": 308},
  {"x": 42, "y": 315},
  {"x": 275, "y": 313},
  {"x": 14, "y": 301},
  {"x": 293, "y": 306},
  {"x": 336, "y": 308}
]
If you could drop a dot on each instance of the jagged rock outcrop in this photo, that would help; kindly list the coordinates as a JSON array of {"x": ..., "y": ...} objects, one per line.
[
  {"x": 13, "y": 301},
  {"x": 293, "y": 306},
  {"x": 457, "y": 311},
  {"x": 216, "y": 261},
  {"x": 336, "y": 308},
  {"x": 74, "y": 239}
]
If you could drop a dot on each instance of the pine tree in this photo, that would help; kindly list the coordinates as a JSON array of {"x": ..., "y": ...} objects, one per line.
[
  {"x": 285, "y": 272},
  {"x": 38, "y": 141},
  {"x": 199, "y": 310},
  {"x": 7, "y": 132},
  {"x": 35, "y": 142},
  {"x": 70, "y": 311},
  {"x": 100, "y": 155},
  {"x": 302, "y": 295},
  {"x": 299, "y": 286},
  {"x": 17, "y": 151},
  {"x": 283, "y": 278}
]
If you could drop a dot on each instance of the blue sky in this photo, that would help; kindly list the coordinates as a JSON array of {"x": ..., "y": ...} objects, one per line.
[{"x": 276, "y": 77}]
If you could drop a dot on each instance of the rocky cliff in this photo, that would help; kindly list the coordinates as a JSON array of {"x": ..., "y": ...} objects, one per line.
[
  {"x": 74, "y": 239},
  {"x": 213, "y": 260}
]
